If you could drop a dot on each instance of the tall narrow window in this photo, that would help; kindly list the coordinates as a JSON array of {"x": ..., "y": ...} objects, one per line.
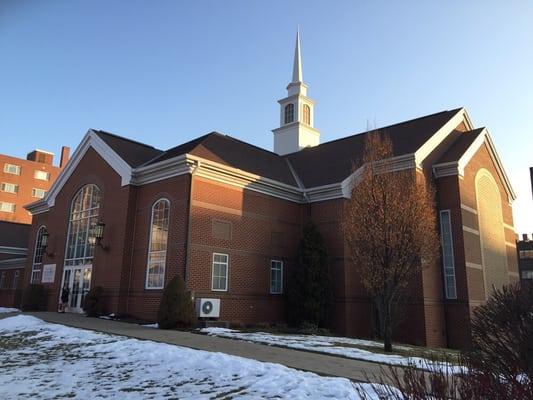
[
  {"x": 157, "y": 252},
  {"x": 276, "y": 277},
  {"x": 448, "y": 263},
  {"x": 220, "y": 272},
  {"x": 84, "y": 211},
  {"x": 289, "y": 113},
  {"x": 38, "y": 256},
  {"x": 306, "y": 114},
  {"x": 3, "y": 279},
  {"x": 16, "y": 279}
]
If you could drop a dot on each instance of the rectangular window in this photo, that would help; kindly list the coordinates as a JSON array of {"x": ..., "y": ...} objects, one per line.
[
  {"x": 526, "y": 253},
  {"x": 9, "y": 187},
  {"x": 42, "y": 175},
  {"x": 39, "y": 193},
  {"x": 448, "y": 264},
  {"x": 220, "y": 272},
  {"x": 3, "y": 280},
  {"x": 12, "y": 169},
  {"x": 527, "y": 274},
  {"x": 7, "y": 207},
  {"x": 276, "y": 277}
]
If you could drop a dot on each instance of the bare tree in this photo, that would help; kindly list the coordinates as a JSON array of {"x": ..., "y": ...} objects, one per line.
[{"x": 390, "y": 229}]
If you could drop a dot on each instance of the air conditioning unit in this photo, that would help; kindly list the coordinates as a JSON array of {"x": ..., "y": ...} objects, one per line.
[{"x": 208, "y": 308}]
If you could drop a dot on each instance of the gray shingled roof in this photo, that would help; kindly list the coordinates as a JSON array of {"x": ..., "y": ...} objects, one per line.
[
  {"x": 333, "y": 161},
  {"x": 324, "y": 164},
  {"x": 459, "y": 146},
  {"x": 134, "y": 153}
]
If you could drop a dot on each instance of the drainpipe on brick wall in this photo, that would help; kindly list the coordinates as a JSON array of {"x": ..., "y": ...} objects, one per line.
[
  {"x": 189, "y": 230},
  {"x": 132, "y": 251}
]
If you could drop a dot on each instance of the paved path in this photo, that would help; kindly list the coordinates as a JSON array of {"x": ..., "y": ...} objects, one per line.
[{"x": 318, "y": 363}]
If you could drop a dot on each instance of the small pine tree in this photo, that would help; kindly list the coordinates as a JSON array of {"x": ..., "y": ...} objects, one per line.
[
  {"x": 176, "y": 309},
  {"x": 308, "y": 291},
  {"x": 93, "y": 302},
  {"x": 34, "y": 298}
]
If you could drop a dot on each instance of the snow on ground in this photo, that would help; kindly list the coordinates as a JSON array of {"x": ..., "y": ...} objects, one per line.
[
  {"x": 39, "y": 360},
  {"x": 5, "y": 310},
  {"x": 340, "y": 346}
]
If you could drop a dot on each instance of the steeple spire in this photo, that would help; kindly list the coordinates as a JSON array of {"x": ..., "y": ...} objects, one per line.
[
  {"x": 296, "y": 119},
  {"x": 297, "y": 67}
]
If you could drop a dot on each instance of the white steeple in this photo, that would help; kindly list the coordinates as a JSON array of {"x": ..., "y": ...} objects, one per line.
[
  {"x": 297, "y": 67},
  {"x": 296, "y": 113}
]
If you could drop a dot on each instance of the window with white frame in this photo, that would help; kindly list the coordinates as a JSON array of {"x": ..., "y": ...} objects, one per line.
[
  {"x": 16, "y": 279},
  {"x": 528, "y": 274},
  {"x": 526, "y": 253},
  {"x": 41, "y": 175},
  {"x": 84, "y": 211},
  {"x": 39, "y": 193},
  {"x": 220, "y": 272},
  {"x": 448, "y": 264},
  {"x": 9, "y": 187},
  {"x": 289, "y": 113},
  {"x": 12, "y": 169},
  {"x": 3, "y": 280},
  {"x": 276, "y": 277},
  {"x": 37, "y": 265},
  {"x": 7, "y": 207},
  {"x": 157, "y": 249}
]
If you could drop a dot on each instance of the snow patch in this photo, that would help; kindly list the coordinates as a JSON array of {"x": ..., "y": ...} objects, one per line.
[
  {"x": 51, "y": 361},
  {"x": 339, "y": 346},
  {"x": 5, "y": 310}
]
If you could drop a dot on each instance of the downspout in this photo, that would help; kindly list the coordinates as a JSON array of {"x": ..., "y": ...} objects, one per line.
[
  {"x": 132, "y": 251},
  {"x": 189, "y": 230}
]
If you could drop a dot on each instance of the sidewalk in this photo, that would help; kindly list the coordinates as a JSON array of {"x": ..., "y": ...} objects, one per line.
[{"x": 320, "y": 364}]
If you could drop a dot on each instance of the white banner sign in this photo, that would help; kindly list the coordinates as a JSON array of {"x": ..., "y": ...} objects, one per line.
[{"x": 49, "y": 273}]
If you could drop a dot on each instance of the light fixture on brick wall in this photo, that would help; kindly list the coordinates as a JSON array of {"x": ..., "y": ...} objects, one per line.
[
  {"x": 44, "y": 244},
  {"x": 98, "y": 235}
]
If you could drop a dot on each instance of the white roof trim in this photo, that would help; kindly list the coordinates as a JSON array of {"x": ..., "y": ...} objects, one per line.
[
  {"x": 458, "y": 167},
  {"x": 13, "y": 250},
  {"x": 431, "y": 144},
  {"x": 91, "y": 139}
]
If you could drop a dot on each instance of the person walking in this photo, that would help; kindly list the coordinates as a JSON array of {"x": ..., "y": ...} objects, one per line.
[{"x": 65, "y": 293}]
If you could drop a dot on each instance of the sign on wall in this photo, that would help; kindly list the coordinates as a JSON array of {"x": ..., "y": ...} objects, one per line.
[{"x": 49, "y": 273}]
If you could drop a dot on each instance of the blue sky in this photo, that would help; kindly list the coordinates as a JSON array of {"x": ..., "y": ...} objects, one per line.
[{"x": 166, "y": 72}]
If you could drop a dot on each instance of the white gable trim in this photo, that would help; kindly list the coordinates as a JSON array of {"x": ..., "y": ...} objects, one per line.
[
  {"x": 91, "y": 139},
  {"x": 458, "y": 167},
  {"x": 431, "y": 144}
]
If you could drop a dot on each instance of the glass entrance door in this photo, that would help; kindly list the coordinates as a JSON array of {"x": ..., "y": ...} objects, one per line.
[{"x": 78, "y": 281}]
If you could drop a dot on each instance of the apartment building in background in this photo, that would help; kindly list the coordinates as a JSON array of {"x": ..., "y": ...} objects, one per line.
[{"x": 22, "y": 181}]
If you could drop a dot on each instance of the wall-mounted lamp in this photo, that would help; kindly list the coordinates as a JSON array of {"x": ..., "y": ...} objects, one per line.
[
  {"x": 98, "y": 234},
  {"x": 44, "y": 243}
]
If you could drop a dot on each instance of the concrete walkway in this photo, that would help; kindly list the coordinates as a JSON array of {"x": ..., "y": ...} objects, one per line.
[{"x": 318, "y": 363}]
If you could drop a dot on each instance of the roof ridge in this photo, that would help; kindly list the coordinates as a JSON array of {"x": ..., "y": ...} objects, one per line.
[
  {"x": 249, "y": 144},
  {"x": 378, "y": 129},
  {"x": 126, "y": 139}
]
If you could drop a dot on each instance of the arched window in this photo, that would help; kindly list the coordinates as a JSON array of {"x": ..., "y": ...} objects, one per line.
[
  {"x": 491, "y": 232},
  {"x": 37, "y": 265},
  {"x": 289, "y": 113},
  {"x": 307, "y": 114},
  {"x": 84, "y": 211},
  {"x": 157, "y": 248}
]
